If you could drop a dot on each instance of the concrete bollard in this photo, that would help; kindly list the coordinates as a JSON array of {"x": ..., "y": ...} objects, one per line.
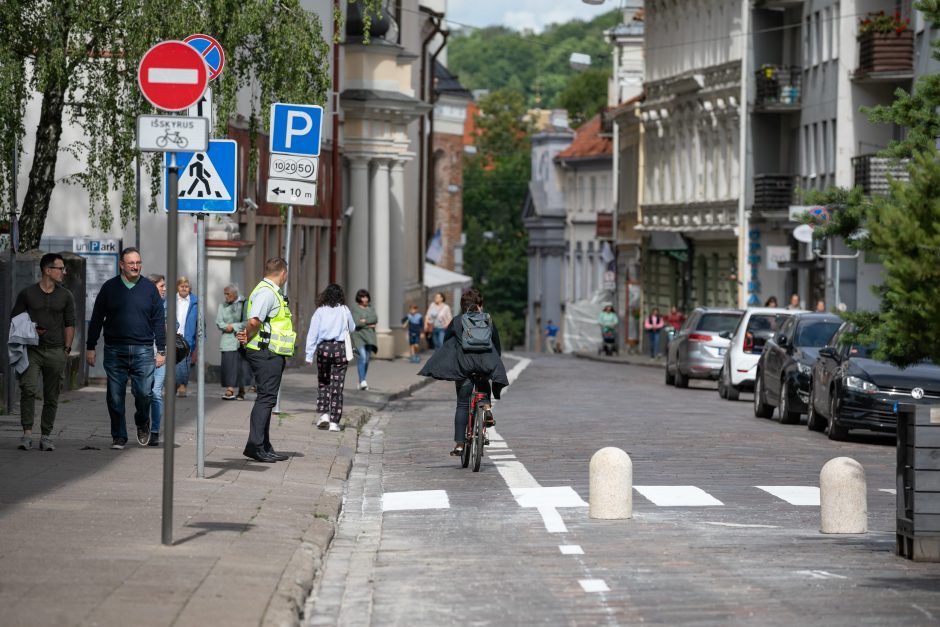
[
  {"x": 611, "y": 484},
  {"x": 843, "y": 497}
]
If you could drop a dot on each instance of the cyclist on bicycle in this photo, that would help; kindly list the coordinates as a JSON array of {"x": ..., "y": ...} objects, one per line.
[{"x": 466, "y": 367}]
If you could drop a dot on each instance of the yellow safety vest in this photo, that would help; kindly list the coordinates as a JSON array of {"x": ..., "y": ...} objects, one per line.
[{"x": 276, "y": 334}]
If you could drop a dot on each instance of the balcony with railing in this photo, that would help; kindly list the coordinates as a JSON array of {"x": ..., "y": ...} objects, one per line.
[
  {"x": 779, "y": 88},
  {"x": 885, "y": 48},
  {"x": 873, "y": 173},
  {"x": 773, "y": 195}
]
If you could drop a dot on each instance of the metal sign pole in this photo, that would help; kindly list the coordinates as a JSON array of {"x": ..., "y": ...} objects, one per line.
[
  {"x": 201, "y": 281},
  {"x": 290, "y": 230},
  {"x": 169, "y": 418}
]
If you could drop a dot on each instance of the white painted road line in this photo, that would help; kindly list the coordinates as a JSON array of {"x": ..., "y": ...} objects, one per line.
[
  {"x": 793, "y": 494},
  {"x": 677, "y": 495},
  {"x": 502, "y": 456},
  {"x": 424, "y": 499},
  {"x": 741, "y": 525},
  {"x": 593, "y": 585},
  {"x": 889, "y": 490},
  {"x": 570, "y": 549},
  {"x": 547, "y": 500},
  {"x": 819, "y": 574}
]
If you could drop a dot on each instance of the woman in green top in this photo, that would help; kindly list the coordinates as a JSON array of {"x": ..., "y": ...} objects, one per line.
[
  {"x": 230, "y": 320},
  {"x": 363, "y": 338}
]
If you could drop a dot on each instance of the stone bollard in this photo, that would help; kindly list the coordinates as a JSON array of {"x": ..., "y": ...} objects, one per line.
[
  {"x": 843, "y": 497},
  {"x": 611, "y": 484}
]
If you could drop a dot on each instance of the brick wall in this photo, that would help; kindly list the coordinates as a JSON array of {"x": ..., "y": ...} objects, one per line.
[{"x": 448, "y": 205}]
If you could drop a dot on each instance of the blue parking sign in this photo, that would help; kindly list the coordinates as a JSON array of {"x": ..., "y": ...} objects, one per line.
[
  {"x": 296, "y": 129},
  {"x": 208, "y": 181}
]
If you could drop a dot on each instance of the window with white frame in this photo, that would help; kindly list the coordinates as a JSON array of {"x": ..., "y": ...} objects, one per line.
[
  {"x": 818, "y": 43},
  {"x": 826, "y": 29}
]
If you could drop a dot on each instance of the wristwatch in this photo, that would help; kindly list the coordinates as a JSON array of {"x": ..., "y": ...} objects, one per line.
[
  {"x": 68, "y": 349},
  {"x": 161, "y": 353}
]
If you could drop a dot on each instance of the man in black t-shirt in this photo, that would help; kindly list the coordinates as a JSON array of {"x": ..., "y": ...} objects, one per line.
[{"x": 51, "y": 308}]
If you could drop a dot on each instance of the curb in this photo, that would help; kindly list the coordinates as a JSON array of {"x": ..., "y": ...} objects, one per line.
[
  {"x": 630, "y": 360},
  {"x": 296, "y": 581}
]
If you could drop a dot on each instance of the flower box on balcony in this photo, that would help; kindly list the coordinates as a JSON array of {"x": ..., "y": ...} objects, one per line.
[{"x": 886, "y": 52}]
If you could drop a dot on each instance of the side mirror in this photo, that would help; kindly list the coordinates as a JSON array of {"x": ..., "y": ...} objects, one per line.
[
  {"x": 827, "y": 351},
  {"x": 782, "y": 341}
]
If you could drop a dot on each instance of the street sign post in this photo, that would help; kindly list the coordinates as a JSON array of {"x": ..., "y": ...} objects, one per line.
[
  {"x": 296, "y": 129},
  {"x": 163, "y": 133},
  {"x": 172, "y": 75},
  {"x": 208, "y": 181},
  {"x": 202, "y": 108},
  {"x": 287, "y": 192},
  {"x": 211, "y": 51},
  {"x": 294, "y": 168}
]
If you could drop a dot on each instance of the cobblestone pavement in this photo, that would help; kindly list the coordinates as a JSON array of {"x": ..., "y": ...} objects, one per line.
[{"x": 481, "y": 553}]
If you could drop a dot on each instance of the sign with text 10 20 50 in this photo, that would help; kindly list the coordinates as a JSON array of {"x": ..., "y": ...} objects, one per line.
[
  {"x": 170, "y": 133},
  {"x": 291, "y": 167}
]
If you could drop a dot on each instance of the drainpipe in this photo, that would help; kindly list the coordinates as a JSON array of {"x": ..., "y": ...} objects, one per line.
[
  {"x": 436, "y": 20},
  {"x": 336, "y": 186},
  {"x": 429, "y": 193},
  {"x": 744, "y": 275}
]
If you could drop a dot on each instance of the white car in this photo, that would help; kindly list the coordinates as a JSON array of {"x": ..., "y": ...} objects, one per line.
[{"x": 747, "y": 343}]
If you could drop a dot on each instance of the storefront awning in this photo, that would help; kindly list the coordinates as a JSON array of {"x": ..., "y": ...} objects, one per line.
[{"x": 666, "y": 241}]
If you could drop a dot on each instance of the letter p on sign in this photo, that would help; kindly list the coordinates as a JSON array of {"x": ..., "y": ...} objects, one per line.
[{"x": 296, "y": 129}]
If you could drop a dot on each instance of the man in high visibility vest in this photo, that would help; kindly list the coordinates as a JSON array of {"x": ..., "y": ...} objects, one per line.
[{"x": 269, "y": 340}]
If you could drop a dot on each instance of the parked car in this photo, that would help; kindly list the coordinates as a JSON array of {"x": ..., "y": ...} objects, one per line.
[
  {"x": 784, "y": 366},
  {"x": 739, "y": 368},
  {"x": 851, "y": 390},
  {"x": 697, "y": 349}
]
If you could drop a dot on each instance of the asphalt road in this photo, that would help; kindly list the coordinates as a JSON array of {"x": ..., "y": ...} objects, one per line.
[{"x": 424, "y": 542}]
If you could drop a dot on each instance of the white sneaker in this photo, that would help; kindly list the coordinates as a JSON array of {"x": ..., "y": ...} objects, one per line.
[
  {"x": 323, "y": 422},
  {"x": 364, "y": 385},
  {"x": 334, "y": 426}
]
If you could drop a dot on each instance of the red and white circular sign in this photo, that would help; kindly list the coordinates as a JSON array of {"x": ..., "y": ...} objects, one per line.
[{"x": 172, "y": 75}]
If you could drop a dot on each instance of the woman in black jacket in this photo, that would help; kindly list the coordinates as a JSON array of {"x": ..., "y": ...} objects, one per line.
[{"x": 451, "y": 362}]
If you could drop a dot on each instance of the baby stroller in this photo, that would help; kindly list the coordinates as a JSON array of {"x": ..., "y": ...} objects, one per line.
[{"x": 609, "y": 344}]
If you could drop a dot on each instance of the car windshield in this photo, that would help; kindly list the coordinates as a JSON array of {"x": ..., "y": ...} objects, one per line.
[
  {"x": 860, "y": 351},
  {"x": 716, "y": 323},
  {"x": 762, "y": 323},
  {"x": 815, "y": 334}
]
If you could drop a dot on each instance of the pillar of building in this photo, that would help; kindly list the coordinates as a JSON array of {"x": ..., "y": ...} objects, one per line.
[
  {"x": 357, "y": 248},
  {"x": 397, "y": 243},
  {"x": 380, "y": 274}
]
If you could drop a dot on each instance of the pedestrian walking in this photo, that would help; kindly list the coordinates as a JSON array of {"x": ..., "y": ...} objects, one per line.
[
  {"x": 51, "y": 308},
  {"x": 231, "y": 318},
  {"x": 794, "y": 302},
  {"x": 465, "y": 367},
  {"x": 186, "y": 316},
  {"x": 608, "y": 321},
  {"x": 414, "y": 322},
  {"x": 330, "y": 325},
  {"x": 821, "y": 306},
  {"x": 674, "y": 318},
  {"x": 159, "y": 373},
  {"x": 130, "y": 311},
  {"x": 363, "y": 338},
  {"x": 437, "y": 319},
  {"x": 771, "y": 302},
  {"x": 654, "y": 325},
  {"x": 269, "y": 339},
  {"x": 551, "y": 336}
]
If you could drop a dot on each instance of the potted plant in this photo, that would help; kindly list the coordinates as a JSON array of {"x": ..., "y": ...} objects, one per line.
[{"x": 886, "y": 43}]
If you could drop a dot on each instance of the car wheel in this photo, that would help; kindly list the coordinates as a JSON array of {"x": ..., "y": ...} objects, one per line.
[
  {"x": 833, "y": 429},
  {"x": 682, "y": 381},
  {"x": 761, "y": 408},
  {"x": 787, "y": 417},
  {"x": 813, "y": 419},
  {"x": 670, "y": 378},
  {"x": 722, "y": 388}
]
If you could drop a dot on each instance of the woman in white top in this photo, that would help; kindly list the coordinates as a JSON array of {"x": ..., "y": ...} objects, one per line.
[
  {"x": 331, "y": 323},
  {"x": 438, "y": 319}
]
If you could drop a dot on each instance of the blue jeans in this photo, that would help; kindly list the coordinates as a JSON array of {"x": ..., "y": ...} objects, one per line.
[
  {"x": 439, "y": 337},
  {"x": 156, "y": 399},
  {"x": 654, "y": 343},
  {"x": 182, "y": 371},
  {"x": 121, "y": 362},
  {"x": 362, "y": 361}
]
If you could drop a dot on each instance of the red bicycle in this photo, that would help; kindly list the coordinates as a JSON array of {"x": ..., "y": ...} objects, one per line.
[{"x": 476, "y": 431}]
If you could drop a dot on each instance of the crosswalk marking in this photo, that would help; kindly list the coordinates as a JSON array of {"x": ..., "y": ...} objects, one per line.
[
  {"x": 593, "y": 585},
  {"x": 893, "y": 491},
  {"x": 424, "y": 499},
  {"x": 570, "y": 549},
  {"x": 793, "y": 494},
  {"x": 677, "y": 496}
]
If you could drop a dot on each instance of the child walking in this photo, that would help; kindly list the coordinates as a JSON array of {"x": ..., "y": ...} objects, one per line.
[{"x": 415, "y": 323}]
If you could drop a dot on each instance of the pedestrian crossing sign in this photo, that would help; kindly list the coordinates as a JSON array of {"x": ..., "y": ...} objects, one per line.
[{"x": 207, "y": 180}]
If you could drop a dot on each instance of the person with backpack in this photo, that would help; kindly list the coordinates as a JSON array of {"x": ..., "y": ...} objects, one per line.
[{"x": 470, "y": 354}]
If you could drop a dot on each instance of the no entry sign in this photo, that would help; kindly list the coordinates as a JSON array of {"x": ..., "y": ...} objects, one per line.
[{"x": 172, "y": 75}]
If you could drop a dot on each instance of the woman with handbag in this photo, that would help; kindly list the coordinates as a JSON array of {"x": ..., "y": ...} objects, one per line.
[
  {"x": 230, "y": 319},
  {"x": 329, "y": 339}
]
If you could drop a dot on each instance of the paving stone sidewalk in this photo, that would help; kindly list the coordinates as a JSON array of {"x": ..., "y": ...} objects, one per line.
[
  {"x": 634, "y": 359},
  {"x": 80, "y": 526}
]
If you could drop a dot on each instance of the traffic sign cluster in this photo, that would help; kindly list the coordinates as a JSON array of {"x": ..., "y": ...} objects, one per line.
[{"x": 294, "y": 147}]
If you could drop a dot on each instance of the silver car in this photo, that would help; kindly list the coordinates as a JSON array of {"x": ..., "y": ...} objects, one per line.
[{"x": 698, "y": 350}]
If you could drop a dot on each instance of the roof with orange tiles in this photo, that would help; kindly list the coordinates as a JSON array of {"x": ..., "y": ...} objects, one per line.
[{"x": 588, "y": 142}]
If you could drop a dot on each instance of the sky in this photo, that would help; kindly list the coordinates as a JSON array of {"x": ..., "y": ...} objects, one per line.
[{"x": 523, "y": 14}]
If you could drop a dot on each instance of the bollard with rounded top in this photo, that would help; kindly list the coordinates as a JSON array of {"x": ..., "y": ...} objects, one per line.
[
  {"x": 611, "y": 484},
  {"x": 843, "y": 497}
]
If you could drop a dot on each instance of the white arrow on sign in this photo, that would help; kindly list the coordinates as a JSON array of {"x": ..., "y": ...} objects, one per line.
[
  {"x": 170, "y": 133},
  {"x": 287, "y": 192},
  {"x": 290, "y": 167},
  {"x": 203, "y": 107}
]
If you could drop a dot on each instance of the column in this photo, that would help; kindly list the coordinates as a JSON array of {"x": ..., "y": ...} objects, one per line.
[
  {"x": 380, "y": 260},
  {"x": 397, "y": 244},
  {"x": 357, "y": 242}
]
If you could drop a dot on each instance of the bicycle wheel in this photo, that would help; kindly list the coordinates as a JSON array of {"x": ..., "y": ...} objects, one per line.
[
  {"x": 476, "y": 450},
  {"x": 465, "y": 456},
  {"x": 161, "y": 142}
]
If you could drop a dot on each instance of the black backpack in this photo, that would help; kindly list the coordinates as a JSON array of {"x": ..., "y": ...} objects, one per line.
[{"x": 477, "y": 335}]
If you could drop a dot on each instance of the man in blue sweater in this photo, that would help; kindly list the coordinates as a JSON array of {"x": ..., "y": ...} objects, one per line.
[{"x": 131, "y": 311}]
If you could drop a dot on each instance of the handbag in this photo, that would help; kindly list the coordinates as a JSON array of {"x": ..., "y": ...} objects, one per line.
[
  {"x": 348, "y": 342},
  {"x": 182, "y": 348}
]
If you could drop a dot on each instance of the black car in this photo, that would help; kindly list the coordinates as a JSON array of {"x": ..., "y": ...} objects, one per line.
[
  {"x": 851, "y": 390},
  {"x": 782, "y": 378}
]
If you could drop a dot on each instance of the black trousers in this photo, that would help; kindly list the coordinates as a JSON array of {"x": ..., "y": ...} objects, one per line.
[
  {"x": 462, "y": 415},
  {"x": 267, "y": 368}
]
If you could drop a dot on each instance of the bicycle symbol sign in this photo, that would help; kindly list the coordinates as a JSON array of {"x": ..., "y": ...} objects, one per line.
[{"x": 165, "y": 133}]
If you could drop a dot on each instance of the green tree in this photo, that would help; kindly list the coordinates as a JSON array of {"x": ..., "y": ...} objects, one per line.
[
  {"x": 495, "y": 184},
  {"x": 902, "y": 228},
  {"x": 79, "y": 58},
  {"x": 584, "y": 95}
]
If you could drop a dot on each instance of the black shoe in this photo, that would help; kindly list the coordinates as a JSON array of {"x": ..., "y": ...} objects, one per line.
[
  {"x": 488, "y": 419},
  {"x": 143, "y": 434},
  {"x": 278, "y": 457},
  {"x": 258, "y": 456},
  {"x": 154, "y": 439}
]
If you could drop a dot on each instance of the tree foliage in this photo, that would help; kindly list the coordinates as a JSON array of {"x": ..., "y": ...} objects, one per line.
[
  {"x": 584, "y": 95},
  {"x": 495, "y": 184},
  {"x": 78, "y": 59},
  {"x": 902, "y": 228},
  {"x": 534, "y": 64}
]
